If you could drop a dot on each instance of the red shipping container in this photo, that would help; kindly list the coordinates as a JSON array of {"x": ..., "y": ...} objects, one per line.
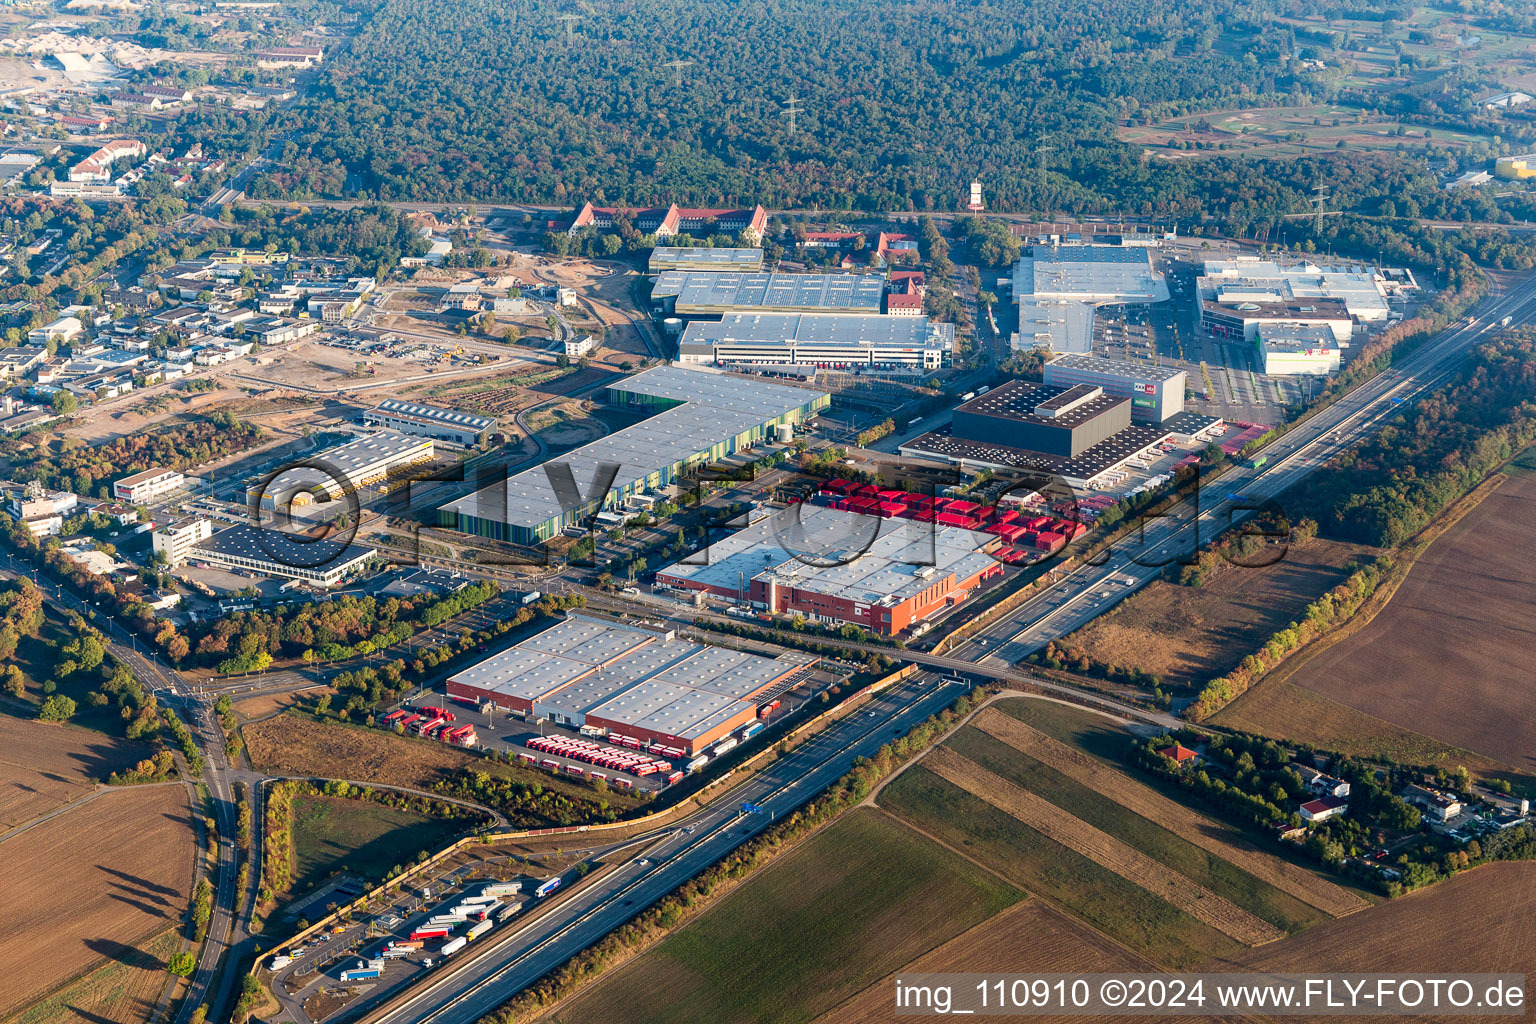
[
  {"x": 839, "y": 486},
  {"x": 952, "y": 519},
  {"x": 964, "y": 508},
  {"x": 1048, "y": 541},
  {"x": 866, "y": 490},
  {"x": 925, "y": 516},
  {"x": 1008, "y": 515},
  {"x": 890, "y": 509},
  {"x": 1037, "y": 522},
  {"x": 893, "y": 495}
]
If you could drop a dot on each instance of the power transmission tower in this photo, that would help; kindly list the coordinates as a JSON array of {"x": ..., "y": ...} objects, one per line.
[
  {"x": 570, "y": 21},
  {"x": 677, "y": 69},
  {"x": 1319, "y": 197},
  {"x": 792, "y": 108}
]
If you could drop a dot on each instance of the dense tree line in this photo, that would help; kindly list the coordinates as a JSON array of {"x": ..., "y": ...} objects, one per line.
[{"x": 1390, "y": 486}]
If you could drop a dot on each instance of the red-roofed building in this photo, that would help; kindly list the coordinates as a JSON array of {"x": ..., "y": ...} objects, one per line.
[
  {"x": 96, "y": 167},
  {"x": 891, "y": 248},
  {"x": 1324, "y": 808},
  {"x": 1179, "y": 753},
  {"x": 904, "y": 305},
  {"x": 664, "y": 223},
  {"x": 85, "y": 125},
  {"x": 908, "y": 281}
]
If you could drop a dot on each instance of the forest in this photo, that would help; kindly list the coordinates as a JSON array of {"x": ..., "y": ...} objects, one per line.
[{"x": 1390, "y": 486}]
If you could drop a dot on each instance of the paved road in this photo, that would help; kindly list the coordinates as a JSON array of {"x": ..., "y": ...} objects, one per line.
[
  {"x": 477, "y": 988},
  {"x": 481, "y": 985}
]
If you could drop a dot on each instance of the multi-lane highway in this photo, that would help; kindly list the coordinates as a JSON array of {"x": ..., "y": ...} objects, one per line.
[{"x": 469, "y": 991}]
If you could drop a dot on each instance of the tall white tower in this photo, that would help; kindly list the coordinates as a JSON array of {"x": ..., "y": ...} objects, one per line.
[{"x": 975, "y": 202}]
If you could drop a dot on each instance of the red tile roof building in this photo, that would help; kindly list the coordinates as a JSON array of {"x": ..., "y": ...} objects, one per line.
[
  {"x": 96, "y": 167},
  {"x": 1179, "y": 753},
  {"x": 664, "y": 223}
]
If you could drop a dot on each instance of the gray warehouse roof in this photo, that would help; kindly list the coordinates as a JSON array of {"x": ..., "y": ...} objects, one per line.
[
  {"x": 1115, "y": 367},
  {"x": 432, "y": 414},
  {"x": 706, "y": 257},
  {"x": 714, "y": 407},
  {"x": 838, "y": 329},
  {"x": 707, "y": 290}
]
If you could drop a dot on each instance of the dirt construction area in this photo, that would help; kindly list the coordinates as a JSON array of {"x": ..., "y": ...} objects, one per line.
[
  {"x": 1451, "y": 655},
  {"x": 1193, "y": 634},
  {"x": 1208, "y": 835},
  {"x": 291, "y": 745},
  {"x": 1103, "y": 849},
  {"x": 93, "y": 884},
  {"x": 45, "y": 766}
]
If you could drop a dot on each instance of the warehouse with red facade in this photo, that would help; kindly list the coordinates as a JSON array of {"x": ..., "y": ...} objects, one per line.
[{"x": 642, "y": 683}]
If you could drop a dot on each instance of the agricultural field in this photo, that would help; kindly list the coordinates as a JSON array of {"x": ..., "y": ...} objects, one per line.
[
  {"x": 1287, "y": 132},
  {"x": 364, "y": 839},
  {"x": 124, "y": 990},
  {"x": 1189, "y": 635},
  {"x": 1276, "y": 708},
  {"x": 121, "y": 865},
  {"x": 816, "y": 926},
  {"x": 45, "y": 766},
  {"x": 1482, "y": 920},
  {"x": 1027, "y": 937},
  {"x": 1121, "y": 909},
  {"x": 293, "y": 744},
  {"x": 1215, "y": 854},
  {"x": 1444, "y": 655}
]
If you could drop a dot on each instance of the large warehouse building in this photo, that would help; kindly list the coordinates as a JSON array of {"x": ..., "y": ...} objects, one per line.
[
  {"x": 356, "y": 464},
  {"x": 281, "y": 555},
  {"x": 701, "y": 416},
  {"x": 417, "y": 420},
  {"x": 702, "y": 293},
  {"x": 665, "y": 258},
  {"x": 1057, "y": 287},
  {"x": 819, "y": 341},
  {"x": 1237, "y": 297},
  {"x": 1156, "y": 392},
  {"x": 645, "y": 683},
  {"x": 837, "y": 567},
  {"x": 1285, "y": 351},
  {"x": 1079, "y": 433}
]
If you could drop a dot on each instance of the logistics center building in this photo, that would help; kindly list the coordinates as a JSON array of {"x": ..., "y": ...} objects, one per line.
[
  {"x": 1156, "y": 392},
  {"x": 1079, "y": 433},
  {"x": 837, "y": 567},
  {"x": 587, "y": 672},
  {"x": 453, "y": 425},
  {"x": 666, "y": 257},
  {"x": 701, "y": 416},
  {"x": 702, "y": 293},
  {"x": 1057, "y": 287},
  {"x": 818, "y": 341},
  {"x": 351, "y": 466}
]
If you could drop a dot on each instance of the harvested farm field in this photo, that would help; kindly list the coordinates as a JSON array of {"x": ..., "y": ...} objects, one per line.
[
  {"x": 121, "y": 864},
  {"x": 291, "y": 744},
  {"x": 819, "y": 924},
  {"x": 123, "y": 990},
  {"x": 1451, "y": 654},
  {"x": 44, "y": 766},
  {"x": 1189, "y": 635},
  {"x": 1121, "y": 909},
  {"x": 1479, "y": 921},
  {"x": 1225, "y": 842},
  {"x": 1028, "y": 937},
  {"x": 1103, "y": 849}
]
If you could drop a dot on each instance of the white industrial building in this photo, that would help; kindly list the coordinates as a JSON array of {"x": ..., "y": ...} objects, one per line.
[
  {"x": 818, "y": 341},
  {"x": 1057, "y": 287},
  {"x": 148, "y": 485},
  {"x": 351, "y": 466},
  {"x": 417, "y": 420},
  {"x": 175, "y": 541},
  {"x": 1289, "y": 351},
  {"x": 1156, "y": 392},
  {"x": 281, "y": 555}
]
